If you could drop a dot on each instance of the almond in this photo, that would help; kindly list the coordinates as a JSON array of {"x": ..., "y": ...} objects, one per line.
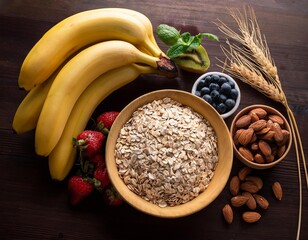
[
  {"x": 236, "y": 135},
  {"x": 254, "y": 146},
  {"x": 258, "y": 125},
  {"x": 276, "y": 118},
  {"x": 228, "y": 213},
  {"x": 256, "y": 180},
  {"x": 269, "y": 136},
  {"x": 239, "y": 200},
  {"x": 281, "y": 150},
  {"x": 286, "y": 137},
  {"x": 269, "y": 124},
  {"x": 234, "y": 185},
  {"x": 249, "y": 186},
  {"x": 265, "y": 148},
  {"x": 243, "y": 173},
  {"x": 254, "y": 116},
  {"x": 259, "y": 158},
  {"x": 263, "y": 131},
  {"x": 269, "y": 158},
  {"x": 251, "y": 202},
  {"x": 246, "y": 153},
  {"x": 260, "y": 112},
  {"x": 277, "y": 190},
  {"x": 261, "y": 201},
  {"x": 243, "y": 121},
  {"x": 245, "y": 136},
  {"x": 278, "y": 136},
  {"x": 251, "y": 217}
]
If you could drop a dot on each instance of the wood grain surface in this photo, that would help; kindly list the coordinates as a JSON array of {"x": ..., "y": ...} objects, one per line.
[{"x": 32, "y": 206}]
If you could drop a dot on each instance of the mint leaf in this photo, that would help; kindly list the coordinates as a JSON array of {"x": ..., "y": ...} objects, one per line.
[
  {"x": 176, "y": 50},
  {"x": 180, "y": 43},
  {"x": 169, "y": 35},
  {"x": 209, "y": 35}
]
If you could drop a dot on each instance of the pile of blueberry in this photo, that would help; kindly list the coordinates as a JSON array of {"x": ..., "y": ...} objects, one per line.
[{"x": 218, "y": 91}]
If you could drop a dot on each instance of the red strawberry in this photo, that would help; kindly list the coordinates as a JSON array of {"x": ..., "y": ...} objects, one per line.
[
  {"x": 79, "y": 189},
  {"x": 112, "y": 197},
  {"x": 101, "y": 175},
  {"x": 90, "y": 142},
  {"x": 98, "y": 159},
  {"x": 105, "y": 120}
]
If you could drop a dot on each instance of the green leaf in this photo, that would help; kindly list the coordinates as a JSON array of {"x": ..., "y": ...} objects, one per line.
[
  {"x": 209, "y": 35},
  {"x": 169, "y": 35},
  {"x": 185, "y": 37},
  {"x": 176, "y": 50}
]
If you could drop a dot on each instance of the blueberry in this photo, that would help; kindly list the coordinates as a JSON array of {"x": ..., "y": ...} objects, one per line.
[
  {"x": 225, "y": 88},
  {"x": 230, "y": 103},
  {"x": 222, "y": 98},
  {"x": 232, "y": 84},
  {"x": 205, "y": 90},
  {"x": 234, "y": 93},
  {"x": 221, "y": 108},
  {"x": 215, "y": 95},
  {"x": 198, "y": 93},
  {"x": 214, "y": 86},
  {"x": 222, "y": 80},
  {"x": 207, "y": 81},
  {"x": 215, "y": 78},
  {"x": 207, "y": 98},
  {"x": 200, "y": 84},
  {"x": 214, "y": 105}
]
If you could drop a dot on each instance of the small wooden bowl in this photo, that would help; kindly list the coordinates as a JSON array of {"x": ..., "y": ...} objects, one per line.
[
  {"x": 253, "y": 164},
  {"x": 222, "y": 172}
]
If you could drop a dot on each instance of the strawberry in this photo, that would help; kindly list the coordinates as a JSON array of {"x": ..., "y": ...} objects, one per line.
[
  {"x": 101, "y": 178},
  {"x": 112, "y": 197},
  {"x": 105, "y": 120},
  {"x": 90, "y": 142},
  {"x": 98, "y": 159},
  {"x": 79, "y": 189}
]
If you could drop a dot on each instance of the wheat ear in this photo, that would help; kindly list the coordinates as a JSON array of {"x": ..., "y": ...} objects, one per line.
[{"x": 249, "y": 60}]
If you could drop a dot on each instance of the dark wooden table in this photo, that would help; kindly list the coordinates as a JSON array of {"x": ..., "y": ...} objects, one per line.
[{"x": 32, "y": 206}]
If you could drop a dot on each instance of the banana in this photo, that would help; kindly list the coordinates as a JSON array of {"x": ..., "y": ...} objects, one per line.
[
  {"x": 62, "y": 157},
  {"x": 142, "y": 18},
  {"x": 76, "y": 32},
  {"x": 75, "y": 76},
  {"x": 28, "y": 112}
]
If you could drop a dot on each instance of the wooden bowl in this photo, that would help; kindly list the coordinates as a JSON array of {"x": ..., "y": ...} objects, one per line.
[
  {"x": 254, "y": 164},
  {"x": 222, "y": 172}
]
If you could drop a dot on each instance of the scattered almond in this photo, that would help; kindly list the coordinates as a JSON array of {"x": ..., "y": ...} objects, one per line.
[
  {"x": 234, "y": 185},
  {"x": 249, "y": 186},
  {"x": 244, "y": 172},
  {"x": 228, "y": 213},
  {"x": 251, "y": 217},
  {"x": 251, "y": 202},
  {"x": 261, "y": 201},
  {"x": 256, "y": 180},
  {"x": 239, "y": 200},
  {"x": 277, "y": 190}
]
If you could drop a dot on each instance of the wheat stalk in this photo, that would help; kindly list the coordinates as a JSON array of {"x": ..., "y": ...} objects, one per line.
[{"x": 249, "y": 60}]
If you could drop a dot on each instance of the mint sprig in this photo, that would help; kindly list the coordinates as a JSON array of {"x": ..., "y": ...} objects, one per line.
[{"x": 180, "y": 43}]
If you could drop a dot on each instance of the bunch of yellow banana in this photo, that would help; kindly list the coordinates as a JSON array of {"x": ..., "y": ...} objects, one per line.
[{"x": 73, "y": 67}]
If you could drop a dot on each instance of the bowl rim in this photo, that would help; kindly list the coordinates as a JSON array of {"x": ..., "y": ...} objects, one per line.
[
  {"x": 255, "y": 165},
  {"x": 197, "y": 203},
  {"x": 238, "y": 100}
]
